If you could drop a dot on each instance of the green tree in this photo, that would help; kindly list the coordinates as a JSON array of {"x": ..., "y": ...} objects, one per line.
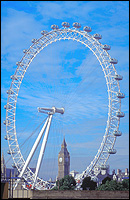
[
  {"x": 113, "y": 185},
  {"x": 125, "y": 183},
  {"x": 66, "y": 183},
  {"x": 88, "y": 184}
]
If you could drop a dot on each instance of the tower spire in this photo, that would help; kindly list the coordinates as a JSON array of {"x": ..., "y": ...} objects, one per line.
[
  {"x": 63, "y": 145},
  {"x": 63, "y": 160}
]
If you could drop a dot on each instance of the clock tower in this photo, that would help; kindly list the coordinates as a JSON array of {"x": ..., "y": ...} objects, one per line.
[{"x": 63, "y": 161}]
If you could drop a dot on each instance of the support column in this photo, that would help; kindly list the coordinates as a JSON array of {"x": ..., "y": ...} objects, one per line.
[
  {"x": 43, "y": 146},
  {"x": 32, "y": 152}
]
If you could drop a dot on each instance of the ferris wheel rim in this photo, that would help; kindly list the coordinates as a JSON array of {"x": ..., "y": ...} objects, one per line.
[{"x": 57, "y": 35}]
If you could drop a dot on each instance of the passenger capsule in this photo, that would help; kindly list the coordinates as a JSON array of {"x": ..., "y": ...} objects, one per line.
[
  {"x": 120, "y": 95},
  {"x": 14, "y": 77},
  {"x": 54, "y": 27},
  {"x": 6, "y": 122},
  {"x": 10, "y": 152},
  {"x": 44, "y": 32},
  {"x": 113, "y": 61},
  {"x": 13, "y": 165},
  {"x": 120, "y": 114},
  {"x": 25, "y": 50},
  {"x": 106, "y": 47},
  {"x": 34, "y": 40},
  {"x": 87, "y": 29},
  {"x": 65, "y": 24},
  {"x": 118, "y": 77},
  {"x": 97, "y": 36},
  {"x": 76, "y": 25},
  {"x": 112, "y": 151},
  {"x": 104, "y": 166},
  {"x": 7, "y": 138},
  {"x": 10, "y": 92},
  {"x": 117, "y": 133},
  {"x": 7, "y": 106}
]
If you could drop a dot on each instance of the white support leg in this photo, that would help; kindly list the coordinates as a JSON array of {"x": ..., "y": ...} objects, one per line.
[
  {"x": 32, "y": 151},
  {"x": 43, "y": 146}
]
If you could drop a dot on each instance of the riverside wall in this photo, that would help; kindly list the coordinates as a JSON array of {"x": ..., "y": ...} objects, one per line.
[
  {"x": 66, "y": 194},
  {"x": 79, "y": 194}
]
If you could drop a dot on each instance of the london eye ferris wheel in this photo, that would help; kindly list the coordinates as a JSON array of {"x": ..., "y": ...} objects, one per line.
[{"x": 114, "y": 95}]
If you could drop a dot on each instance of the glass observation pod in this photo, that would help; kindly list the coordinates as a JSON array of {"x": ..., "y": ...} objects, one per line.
[
  {"x": 76, "y": 25},
  {"x": 14, "y": 77},
  {"x": 112, "y": 151},
  {"x": 65, "y": 24},
  {"x": 7, "y": 106},
  {"x": 117, "y": 133},
  {"x": 113, "y": 61},
  {"x": 106, "y": 47},
  {"x": 87, "y": 29},
  {"x": 9, "y": 137},
  {"x": 25, "y": 50},
  {"x": 10, "y": 92},
  {"x": 120, "y": 95},
  {"x": 120, "y": 114},
  {"x": 13, "y": 165},
  {"x": 44, "y": 32},
  {"x": 34, "y": 40},
  {"x": 97, "y": 36},
  {"x": 10, "y": 152},
  {"x": 104, "y": 167},
  {"x": 118, "y": 77},
  {"x": 5, "y": 137},
  {"x": 54, "y": 26},
  {"x": 6, "y": 122}
]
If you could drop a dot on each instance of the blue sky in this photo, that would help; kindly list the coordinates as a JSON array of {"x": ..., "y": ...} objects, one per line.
[{"x": 54, "y": 75}]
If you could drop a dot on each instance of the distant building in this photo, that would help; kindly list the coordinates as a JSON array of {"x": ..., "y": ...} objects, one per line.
[
  {"x": 3, "y": 168},
  {"x": 6, "y": 173},
  {"x": 103, "y": 171},
  {"x": 63, "y": 161},
  {"x": 11, "y": 172},
  {"x": 99, "y": 174},
  {"x": 120, "y": 176}
]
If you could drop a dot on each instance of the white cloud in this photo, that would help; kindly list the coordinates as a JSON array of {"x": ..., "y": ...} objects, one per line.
[{"x": 18, "y": 29}]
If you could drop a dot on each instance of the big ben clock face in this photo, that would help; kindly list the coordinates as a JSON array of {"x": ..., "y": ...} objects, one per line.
[{"x": 60, "y": 159}]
